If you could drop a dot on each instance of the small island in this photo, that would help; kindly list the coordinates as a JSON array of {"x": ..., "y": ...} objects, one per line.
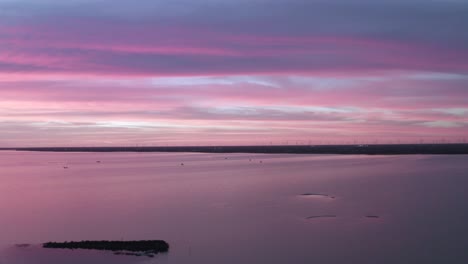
[{"x": 146, "y": 247}]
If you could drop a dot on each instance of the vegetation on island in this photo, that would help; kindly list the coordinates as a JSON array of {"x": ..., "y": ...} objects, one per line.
[{"x": 143, "y": 246}]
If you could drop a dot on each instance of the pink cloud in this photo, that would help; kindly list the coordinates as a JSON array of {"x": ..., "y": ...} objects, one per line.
[
  {"x": 81, "y": 80},
  {"x": 100, "y": 47},
  {"x": 275, "y": 108}
]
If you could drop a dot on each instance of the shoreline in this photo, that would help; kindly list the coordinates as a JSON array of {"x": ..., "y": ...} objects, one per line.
[{"x": 400, "y": 149}]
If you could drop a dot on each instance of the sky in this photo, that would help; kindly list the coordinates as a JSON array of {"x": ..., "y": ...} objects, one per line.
[{"x": 228, "y": 72}]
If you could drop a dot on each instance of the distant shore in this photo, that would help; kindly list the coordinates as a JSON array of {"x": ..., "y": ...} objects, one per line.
[{"x": 394, "y": 149}]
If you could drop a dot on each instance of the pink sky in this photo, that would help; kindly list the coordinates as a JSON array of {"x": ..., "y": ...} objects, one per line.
[{"x": 88, "y": 73}]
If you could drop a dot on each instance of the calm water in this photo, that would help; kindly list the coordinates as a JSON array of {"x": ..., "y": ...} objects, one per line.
[{"x": 236, "y": 208}]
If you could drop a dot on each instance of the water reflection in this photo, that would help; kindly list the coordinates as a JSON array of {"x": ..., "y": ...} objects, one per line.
[
  {"x": 234, "y": 209},
  {"x": 37, "y": 254}
]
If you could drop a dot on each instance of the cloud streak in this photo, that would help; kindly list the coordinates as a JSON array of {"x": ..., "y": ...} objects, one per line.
[{"x": 226, "y": 37}]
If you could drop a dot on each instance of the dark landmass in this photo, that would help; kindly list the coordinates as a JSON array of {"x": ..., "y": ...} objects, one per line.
[
  {"x": 400, "y": 149},
  {"x": 143, "y": 246}
]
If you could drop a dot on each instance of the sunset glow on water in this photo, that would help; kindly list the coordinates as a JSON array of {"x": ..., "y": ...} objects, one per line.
[{"x": 235, "y": 210}]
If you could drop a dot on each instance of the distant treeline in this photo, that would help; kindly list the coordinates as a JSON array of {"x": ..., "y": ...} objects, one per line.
[{"x": 392, "y": 149}]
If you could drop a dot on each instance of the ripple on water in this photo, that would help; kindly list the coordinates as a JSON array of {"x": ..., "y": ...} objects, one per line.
[
  {"x": 321, "y": 216},
  {"x": 317, "y": 196}
]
